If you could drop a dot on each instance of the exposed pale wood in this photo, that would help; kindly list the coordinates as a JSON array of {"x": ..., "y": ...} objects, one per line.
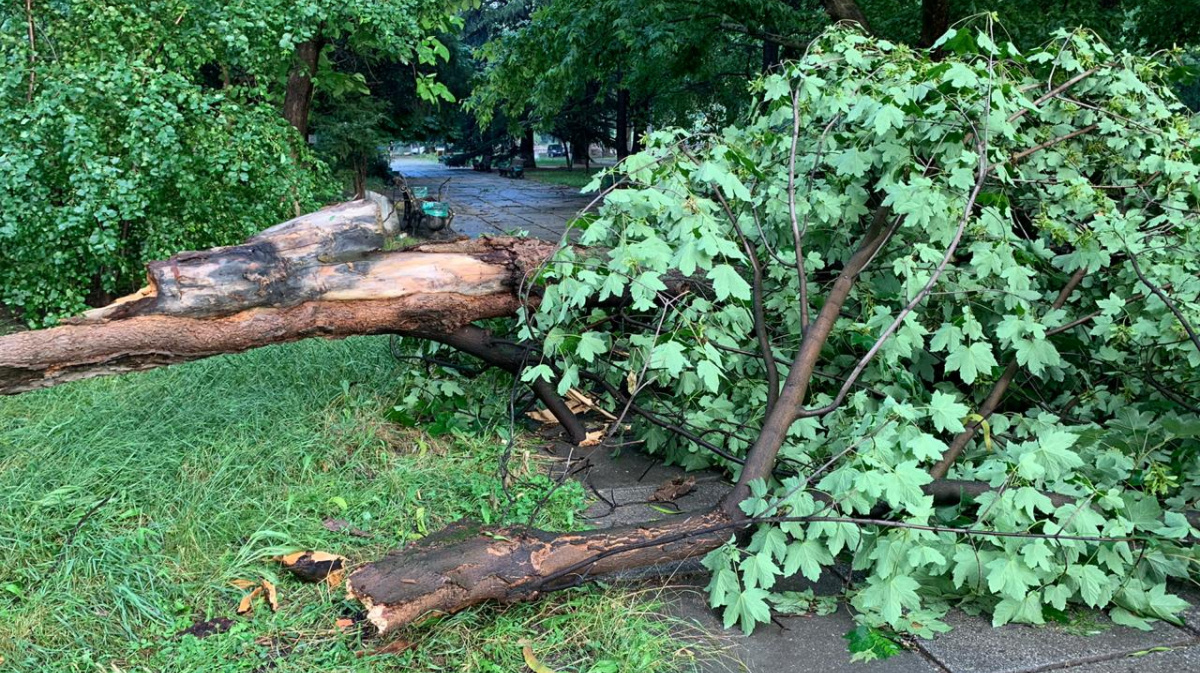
[{"x": 324, "y": 274}]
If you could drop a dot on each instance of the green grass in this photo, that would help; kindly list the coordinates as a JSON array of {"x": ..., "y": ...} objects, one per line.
[
  {"x": 577, "y": 178},
  {"x": 128, "y": 504}
]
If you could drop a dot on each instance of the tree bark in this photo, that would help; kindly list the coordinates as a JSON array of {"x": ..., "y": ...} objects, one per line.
[
  {"x": 464, "y": 565},
  {"x": 324, "y": 274},
  {"x": 527, "y": 153},
  {"x": 297, "y": 100},
  {"x": 770, "y": 55},
  {"x": 935, "y": 20},
  {"x": 847, "y": 10},
  {"x": 622, "y": 130}
]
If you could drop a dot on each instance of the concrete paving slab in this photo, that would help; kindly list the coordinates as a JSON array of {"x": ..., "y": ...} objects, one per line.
[
  {"x": 1177, "y": 660},
  {"x": 485, "y": 203},
  {"x": 795, "y": 645},
  {"x": 628, "y": 505},
  {"x": 974, "y": 646}
]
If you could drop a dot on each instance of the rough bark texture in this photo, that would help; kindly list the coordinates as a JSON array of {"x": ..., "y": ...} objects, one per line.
[
  {"x": 528, "y": 155},
  {"x": 463, "y": 565},
  {"x": 323, "y": 274},
  {"x": 297, "y": 100}
]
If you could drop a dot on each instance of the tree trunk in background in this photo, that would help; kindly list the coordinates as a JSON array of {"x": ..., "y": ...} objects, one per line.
[
  {"x": 297, "y": 101},
  {"x": 622, "y": 134},
  {"x": 641, "y": 120},
  {"x": 527, "y": 153},
  {"x": 771, "y": 56},
  {"x": 580, "y": 154},
  {"x": 846, "y": 10},
  {"x": 935, "y": 20}
]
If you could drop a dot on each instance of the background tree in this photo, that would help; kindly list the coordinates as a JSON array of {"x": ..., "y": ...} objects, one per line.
[{"x": 132, "y": 129}]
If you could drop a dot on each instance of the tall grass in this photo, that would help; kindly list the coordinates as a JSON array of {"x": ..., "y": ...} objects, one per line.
[{"x": 128, "y": 504}]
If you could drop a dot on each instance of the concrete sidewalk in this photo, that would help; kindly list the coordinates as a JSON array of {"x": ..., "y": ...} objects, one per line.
[
  {"x": 485, "y": 203},
  {"x": 622, "y": 483}
]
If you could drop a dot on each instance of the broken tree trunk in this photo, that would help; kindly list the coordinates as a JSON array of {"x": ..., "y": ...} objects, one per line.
[
  {"x": 324, "y": 274},
  {"x": 464, "y": 565}
]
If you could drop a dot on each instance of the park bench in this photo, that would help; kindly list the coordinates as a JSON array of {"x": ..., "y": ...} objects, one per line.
[
  {"x": 421, "y": 211},
  {"x": 512, "y": 169}
]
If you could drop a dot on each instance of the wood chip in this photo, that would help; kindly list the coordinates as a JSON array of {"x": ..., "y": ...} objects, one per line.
[
  {"x": 272, "y": 595},
  {"x": 314, "y": 566},
  {"x": 674, "y": 489},
  {"x": 593, "y": 438},
  {"x": 246, "y": 605}
]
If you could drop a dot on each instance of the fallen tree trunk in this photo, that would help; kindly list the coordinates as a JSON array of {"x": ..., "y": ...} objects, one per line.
[
  {"x": 464, "y": 565},
  {"x": 324, "y": 274}
]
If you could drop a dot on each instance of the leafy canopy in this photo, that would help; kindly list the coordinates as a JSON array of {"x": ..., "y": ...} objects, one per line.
[{"x": 1005, "y": 174}]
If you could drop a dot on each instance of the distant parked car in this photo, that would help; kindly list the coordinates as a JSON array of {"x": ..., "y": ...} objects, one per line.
[{"x": 556, "y": 150}]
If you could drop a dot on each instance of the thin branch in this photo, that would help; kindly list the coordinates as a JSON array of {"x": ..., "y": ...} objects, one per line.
[
  {"x": 994, "y": 397},
  {"x": 32, "y": 50},
  {"x": 760, "y": 320},
  {"x": 1053, "y": 141},
  {"x": 920, "y": 296},
  {"x": 1187, "y": 326},
  {"x": 1055, "y": 91}
]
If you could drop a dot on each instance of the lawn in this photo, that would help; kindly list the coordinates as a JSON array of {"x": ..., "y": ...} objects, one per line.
[
  {"x": 577, "y": 177},
  {"x": 129, "y": 504}
]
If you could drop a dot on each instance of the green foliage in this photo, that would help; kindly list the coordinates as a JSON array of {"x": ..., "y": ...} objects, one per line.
[
  {"x": 1102, "y": 409},
  {"x": 130, "y": 131}
]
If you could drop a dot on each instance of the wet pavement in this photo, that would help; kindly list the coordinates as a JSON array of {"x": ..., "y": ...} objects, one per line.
[{"x": 485, "y": 203}]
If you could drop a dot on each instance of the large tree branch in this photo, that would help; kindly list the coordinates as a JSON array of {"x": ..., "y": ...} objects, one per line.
[{"x": 325, "y": 274}]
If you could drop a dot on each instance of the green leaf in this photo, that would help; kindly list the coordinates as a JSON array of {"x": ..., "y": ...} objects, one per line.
[
  {"x": 807, "y": 557},
  {"x": 1123, "y": 617},
  {"x": 969, "y": 361},
  {"x": 946, "y": 412},
  {"x": 1010, "y": 578},
  {"x": 590, "y": 345},
  {"x": 710, "y": 374},
  {"x": 961, "y": 76},
  {"x": 889, "y": 597},
  {"x": 888, "y": 117},
  {"x": 748, "y": 609},
  {"x": 867, "y": 643},
  {"x": 1094, "y": 586},
  {"x": 927, "y": 447},
  {"x": 759, "y": 570},
  {"x": 903, "y": 485},
  {"x": 728, "y": 282},
  {"x": 1036, "y": 354},
  {"x": 669, "y": 356}
]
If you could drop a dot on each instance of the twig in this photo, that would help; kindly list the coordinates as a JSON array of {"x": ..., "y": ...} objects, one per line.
[
  {"x": 32, "y": 50},
  {"x": 79, "y": 525},
  {"x": 1187, "y": 326}
]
